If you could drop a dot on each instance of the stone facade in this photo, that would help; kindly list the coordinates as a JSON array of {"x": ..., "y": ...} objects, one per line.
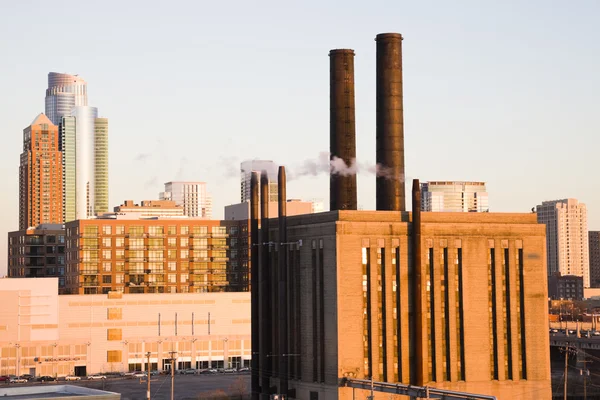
[{"x": 351, "y": 300}]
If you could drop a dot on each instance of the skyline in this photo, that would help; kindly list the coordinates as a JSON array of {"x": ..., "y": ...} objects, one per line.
[{"x": 212, "y": 88}]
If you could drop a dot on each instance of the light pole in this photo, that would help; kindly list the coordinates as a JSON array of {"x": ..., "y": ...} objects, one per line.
[
  {"x": 148, "y": 375},
  {"x": 54, "y": 357},
  {"x": 18, "y": 367},
  {"x": 172, "y": 353},
  {"x": 90, "y": 354},
  {"x": 225, "y": 354}
]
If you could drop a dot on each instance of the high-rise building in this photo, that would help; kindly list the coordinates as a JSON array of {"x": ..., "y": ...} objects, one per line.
[
  {"x": 594, "y": 246},
  {"x": 192, "y": 196},
  {"x": 249, "y": 166},
  {"x": 441, "y": 196},
  {"x": 84, "y": 143},
  {"x": 40, "y": 175},
  {"x": 566, "y": 237},
  {"x": 100, "y": 165},
  {"x": 64, "y": 92}
]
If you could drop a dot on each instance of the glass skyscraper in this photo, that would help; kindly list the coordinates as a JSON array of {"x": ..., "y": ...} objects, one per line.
[
  {"x": 84, "y": 144},
  {"x": 64, "y": 92}
]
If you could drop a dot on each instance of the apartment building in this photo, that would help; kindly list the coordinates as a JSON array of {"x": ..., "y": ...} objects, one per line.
[{"x": 162, "y": 255}]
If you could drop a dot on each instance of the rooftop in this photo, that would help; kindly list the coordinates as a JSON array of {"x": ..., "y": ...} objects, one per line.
[{"x": 56, "y": 392}]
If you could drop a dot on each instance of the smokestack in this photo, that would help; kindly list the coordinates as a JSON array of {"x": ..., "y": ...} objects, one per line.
[
  {"x": 390, "y": 123},
  {"x": 283, "y": 303},
  {"x": 342, "y": 131},
  {"x": 416, "y": 318},
  {"x": 265, "y": 289},
  {"x": 254, "y": 290}
]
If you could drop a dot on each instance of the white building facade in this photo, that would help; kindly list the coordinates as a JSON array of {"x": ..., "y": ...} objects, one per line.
[
  {"x": 192, "y": 196},
  {"x": 249, "y": 166},
  {"x": 453, "y": 196},
  {"x": 42, "y": 333},
  {"x": 567, "y": 248}
]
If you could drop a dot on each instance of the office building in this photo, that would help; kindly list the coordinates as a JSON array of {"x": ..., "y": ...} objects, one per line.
[
  {"x": 37, "y": 252},
  {"x": 157, "y": 255},
  {"x": 40, "y": 175},
  {"x": 149, "y": 209},
  {"x": 241, "y": 211},
  {"x": 100, "y": 165},
  {"x": 566, "y": 237},
  {"x": 64, "y": 92},
  {"x": 249, "y": 166},
  {"x": 567, "y": 287},
  {"x": 440, "y": 196},
  {"x": 84, "y": 146},
  {"x": 192, "y": 196},
  {"x": 594, "y": 250},
  {"x": 79, "y": 335}
]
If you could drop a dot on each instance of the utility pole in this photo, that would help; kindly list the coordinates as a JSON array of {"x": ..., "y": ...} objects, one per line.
[
  {"x": 172, "y": 353},
  {"x": 372, "y": 396},
  {"x": 148, "y": 375},
  {"x": 585, "y": 372},
  {"x": 566, "y": 369}
]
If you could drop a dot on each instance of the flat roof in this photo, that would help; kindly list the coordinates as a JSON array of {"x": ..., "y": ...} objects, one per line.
[{"x": 55, "y": 392}]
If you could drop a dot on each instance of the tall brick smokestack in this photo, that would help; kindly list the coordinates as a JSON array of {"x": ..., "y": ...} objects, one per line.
[
  {"x": 390, "y": 123},
  {"x": 342, "y": 131}
]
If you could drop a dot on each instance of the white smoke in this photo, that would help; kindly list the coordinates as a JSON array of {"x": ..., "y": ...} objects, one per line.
[{"x": 325, "y": 164}]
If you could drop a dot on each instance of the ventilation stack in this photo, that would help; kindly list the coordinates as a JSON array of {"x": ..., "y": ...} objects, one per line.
[
  {"x": 342, "y": 131},
  {"x": 390, "y": 189}
]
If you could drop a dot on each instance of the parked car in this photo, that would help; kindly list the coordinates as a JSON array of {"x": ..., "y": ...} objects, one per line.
[
  {"x": 72, "y": 378},
  {"x": 28, "y": 377},
  {"x": 96, "y": 377},
  {"x": 4, "y": 378},
  {"x": 139, "y": 374},
  {"x": 46, "y": 379},
  {"x": 154, "y": 372},
  {"x": 18, "y": 380},
  {"x": 189, "y": 371},
  {"x": 229, "y": 371},
  {"x": 244, "y": 369}
]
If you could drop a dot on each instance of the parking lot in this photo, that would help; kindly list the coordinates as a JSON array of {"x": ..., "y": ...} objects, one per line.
[{"x": 187, "y": 387}]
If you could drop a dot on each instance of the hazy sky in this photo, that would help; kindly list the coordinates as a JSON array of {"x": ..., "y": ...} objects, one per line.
[{"x": 505, "y": 92}]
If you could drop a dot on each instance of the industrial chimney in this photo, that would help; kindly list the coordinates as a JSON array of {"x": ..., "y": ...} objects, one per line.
[
  {"x": 390, "y": 124},
  {"x": 342, "y": 131}
]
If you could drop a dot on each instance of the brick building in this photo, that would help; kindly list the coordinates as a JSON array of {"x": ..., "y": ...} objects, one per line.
[
  {"x": 161, "y": 255},
  {"x": 40, "y": 175}
]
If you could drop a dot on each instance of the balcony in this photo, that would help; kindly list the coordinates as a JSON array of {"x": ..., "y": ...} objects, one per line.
[
  {"x": 89, "y": 271},
  {"x": 88, "y": 284}
]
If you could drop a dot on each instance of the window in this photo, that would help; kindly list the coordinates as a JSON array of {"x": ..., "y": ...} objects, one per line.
[
  {"x": 172, "y": 278},
  {"x": 106, "y": 254},
  {"x": 172, "y": 230},
  {"x": 184, "y": 278},
  {"x": 120, "y": 230},
  {"x": 106, "y": 279},
  {"x": 172, "y": 242},
  {"x": 106, "y": 266},
  {"x": 119, "y": 242},
  {"x": 184, "y": 253},
  {"x": 119, "y": 254},
  {"x": 172, "y": 265},
  {"x": 184, "y": 230},
  {"x": 107, "y": 242},
  {"x": 107, "y": 230},
  {"x": 184, "y": 241}
]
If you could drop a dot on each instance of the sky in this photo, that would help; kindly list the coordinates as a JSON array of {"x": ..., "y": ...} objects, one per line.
[{"x": 505, "y": 92}]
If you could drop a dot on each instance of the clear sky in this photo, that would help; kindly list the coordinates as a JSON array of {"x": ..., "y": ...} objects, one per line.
[{"x": 505, "y": 92}]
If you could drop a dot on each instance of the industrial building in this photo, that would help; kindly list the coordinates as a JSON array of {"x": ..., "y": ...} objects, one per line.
[{"x": 451, "y": 301}]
